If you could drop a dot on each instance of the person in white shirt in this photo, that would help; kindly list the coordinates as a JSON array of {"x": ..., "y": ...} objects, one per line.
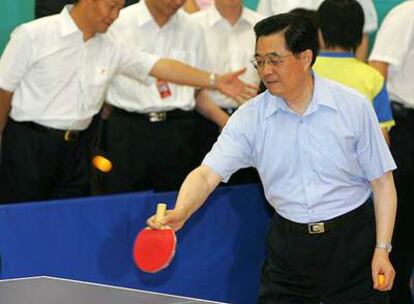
[
  {"x": 393, "y": 56},
  {"x": 54, "y": 74},
  {"x": 151, "y": 130},
  {"x": 230, "y": 41},
  {"x": 274, "y": 7}
]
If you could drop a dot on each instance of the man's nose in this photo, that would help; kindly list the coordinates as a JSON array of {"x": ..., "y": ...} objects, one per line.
[{"x": 267, "y": 68}]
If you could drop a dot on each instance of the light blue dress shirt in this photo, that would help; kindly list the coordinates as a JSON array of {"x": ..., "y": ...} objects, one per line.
[{"x": 313, "y": 167}]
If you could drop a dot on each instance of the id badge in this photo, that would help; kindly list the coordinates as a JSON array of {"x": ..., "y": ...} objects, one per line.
[{"x": 163, "y": 88}]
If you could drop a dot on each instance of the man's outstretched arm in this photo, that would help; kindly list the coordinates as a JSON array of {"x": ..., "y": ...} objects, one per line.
[{"x": 193, "y": 193}]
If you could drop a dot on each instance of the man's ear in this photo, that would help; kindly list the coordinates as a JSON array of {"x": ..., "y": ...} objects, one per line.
[{"x": 307, "y": 57}]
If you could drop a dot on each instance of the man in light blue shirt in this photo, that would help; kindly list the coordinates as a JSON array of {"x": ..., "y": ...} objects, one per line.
[{"x": 319, "y": 151}]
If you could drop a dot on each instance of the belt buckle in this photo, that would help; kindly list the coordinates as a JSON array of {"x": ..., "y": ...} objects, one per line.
[
  {"x": 71, "y": 135},
  {"x": 230, "y": 111},
  {"x": 316, "y": 228},
  {"x": 157, "y": 116}
]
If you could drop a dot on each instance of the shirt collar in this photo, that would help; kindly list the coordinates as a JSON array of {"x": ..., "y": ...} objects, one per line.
[
  {"x": 273, "y": 103},
  {"x": 68, "y": 25},
  {"x": 144, "y": 15},
  {"x": 336, "y": 55},
  {"x": 248, "y": 16},
  {"x": 322, "y": 96},
  {"x": 215, "y": 17}
]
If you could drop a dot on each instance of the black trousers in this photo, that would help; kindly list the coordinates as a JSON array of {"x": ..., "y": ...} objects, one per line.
[
  {"x": 149, "y": 155},
  {"x": 38, "y": 164},
  {"x": 331, "y": 268},
  {"x": 402, "y": 256}
]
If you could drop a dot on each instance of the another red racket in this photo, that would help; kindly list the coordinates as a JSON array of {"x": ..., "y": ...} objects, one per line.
[{"x": 154, "y": 249}]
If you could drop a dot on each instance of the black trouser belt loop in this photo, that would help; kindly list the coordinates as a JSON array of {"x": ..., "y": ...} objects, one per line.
[
  {"x": 155, "y": 116},
  {"x": 323, "y": 226},
  {"x": 66, "y": 135}
]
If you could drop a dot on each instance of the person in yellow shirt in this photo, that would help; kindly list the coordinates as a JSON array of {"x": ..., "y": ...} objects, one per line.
[{"x": 340, "y": 32}]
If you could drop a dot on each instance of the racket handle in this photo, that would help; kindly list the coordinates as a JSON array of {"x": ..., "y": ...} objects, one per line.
[{"x": 161, "y": 208}]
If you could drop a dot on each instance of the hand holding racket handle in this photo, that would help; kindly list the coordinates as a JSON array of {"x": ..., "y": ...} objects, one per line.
[
  {"x": 160, "y": 213},
  {"x": 154, "y": 249},
  {"x": 174, "y": 219}
]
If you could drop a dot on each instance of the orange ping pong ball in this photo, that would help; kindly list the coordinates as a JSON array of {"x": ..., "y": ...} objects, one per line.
[
  {"x": 381, "y": 279},
  {"x": 102, "y": 163}
]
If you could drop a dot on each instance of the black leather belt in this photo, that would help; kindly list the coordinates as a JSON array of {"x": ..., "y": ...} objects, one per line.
[
  {"x": 324, "y": 226},
  {"x": 155, "y": 116},
  {"x": 66, "y": 135}
]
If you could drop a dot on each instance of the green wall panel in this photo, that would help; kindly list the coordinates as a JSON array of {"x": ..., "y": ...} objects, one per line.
[
  {"x": 13, "y": 13},
  {"x": 251, "y": 4}
]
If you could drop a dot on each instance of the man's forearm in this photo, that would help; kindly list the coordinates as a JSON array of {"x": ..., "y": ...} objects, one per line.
[
  {"x": 180, "y": 73},
  {"x": 206, "y": 107},
  {"x": 183, "y": 74},
  {"x": 196, "y": 188},
  {"x": 386, "y": 135},
  {"x": 380, "y": 66},
  {"x": 385, "y": 204},
  {"x": 5, "y": 105}
]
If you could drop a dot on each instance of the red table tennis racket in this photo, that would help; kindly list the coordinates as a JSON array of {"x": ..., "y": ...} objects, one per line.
[{"x": 154, "y": 248}]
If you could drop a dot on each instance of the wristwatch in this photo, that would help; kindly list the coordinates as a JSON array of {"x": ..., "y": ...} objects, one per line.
[
  {"x": 212, "y": 81},
  {"x": 386, "y": 246}
]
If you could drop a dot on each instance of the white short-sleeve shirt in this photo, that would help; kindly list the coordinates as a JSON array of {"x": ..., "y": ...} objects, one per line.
[
  {"x": 394, "y": 45},
  {"x": 58, "y": 79},
  {"x": 180, "y": 38},
  {"x": 229, "y": 48},
  {"x": 273, "y": 7}
]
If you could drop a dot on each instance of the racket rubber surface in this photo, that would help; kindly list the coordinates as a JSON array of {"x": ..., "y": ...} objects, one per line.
[{"x": 154, "y": 249}]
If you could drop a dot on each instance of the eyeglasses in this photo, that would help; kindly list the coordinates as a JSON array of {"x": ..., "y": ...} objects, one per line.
[{"x": 274, "y": 59}]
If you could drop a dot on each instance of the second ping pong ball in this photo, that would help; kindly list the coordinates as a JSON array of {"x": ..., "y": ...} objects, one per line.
[
  {"x": 381, "y": 279},
  {"x": 101, "y": 163}
]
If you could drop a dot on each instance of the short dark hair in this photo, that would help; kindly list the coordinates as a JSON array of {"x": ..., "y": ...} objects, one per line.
[
  {"x": 300, "y": 35},
  {"x": 310, "y": 15},
  {"x": 341, "y": 23}
]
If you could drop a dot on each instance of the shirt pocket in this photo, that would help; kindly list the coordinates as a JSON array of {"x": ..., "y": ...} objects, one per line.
[
  {"x": 50, "y": 72},
  {"x": 338, "y": 155}
]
